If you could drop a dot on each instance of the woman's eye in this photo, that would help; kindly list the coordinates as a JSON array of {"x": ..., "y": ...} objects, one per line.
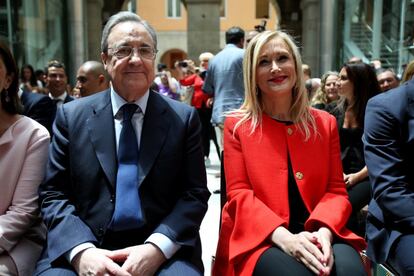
[
  {"x": 264, "y": 62},
  {"x": 282, "y": 58}
]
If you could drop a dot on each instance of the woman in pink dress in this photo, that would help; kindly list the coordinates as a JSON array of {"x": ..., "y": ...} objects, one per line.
[{"x": 23, "y": 153}]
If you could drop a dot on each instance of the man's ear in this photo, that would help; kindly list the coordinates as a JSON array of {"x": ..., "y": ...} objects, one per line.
[
  {"x": 101, "y": 79},
  {"x": 104, "y": 58}
]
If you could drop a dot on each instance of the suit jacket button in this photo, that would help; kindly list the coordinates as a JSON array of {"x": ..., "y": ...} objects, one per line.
[
  {"x": 299, "y": 175},
  {"x": 112, "y": 198},
  {"x": 289, "y": 131}
]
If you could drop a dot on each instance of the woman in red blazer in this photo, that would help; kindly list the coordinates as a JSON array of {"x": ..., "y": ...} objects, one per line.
[{"x": 287, "y": 205}]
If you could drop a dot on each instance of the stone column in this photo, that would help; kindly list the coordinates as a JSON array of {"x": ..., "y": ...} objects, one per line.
[
  {"x": 377, "y": 30},
  {"x": 329, "y": 37},
  {"x": 311, "y": 35},
  {"x": 77, "y": 39},
  {"x": 94, "y": 28},
  {"x": 203, "y": 27}
]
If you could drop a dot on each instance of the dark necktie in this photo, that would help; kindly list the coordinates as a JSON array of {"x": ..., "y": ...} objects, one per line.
[
  {"x": 128, "y": 213},
  {"x": 56, "y": 101}
]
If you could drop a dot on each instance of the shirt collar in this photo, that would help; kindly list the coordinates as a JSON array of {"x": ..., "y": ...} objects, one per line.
[
  {"x": 117, "y": 101},
  {"x": 62, "y": 96}
]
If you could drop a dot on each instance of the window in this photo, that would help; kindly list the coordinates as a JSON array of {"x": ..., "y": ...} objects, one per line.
[
  {"x": 173, "y": 8},
  {"x": 262, "y": 8}
]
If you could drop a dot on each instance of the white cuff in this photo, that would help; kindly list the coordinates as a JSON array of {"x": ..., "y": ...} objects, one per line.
[
  {"x": 165, "y": 244},
  {"x": 78, "y": 249}
]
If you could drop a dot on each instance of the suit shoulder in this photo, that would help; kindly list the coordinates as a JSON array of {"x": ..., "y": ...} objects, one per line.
[
  {"x": 174, "y": 104},
  {"x": 399, "y": 94}
]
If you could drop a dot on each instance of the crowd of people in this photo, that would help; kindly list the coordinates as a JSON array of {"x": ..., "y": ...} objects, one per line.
[{"x": 109, "y": 178}]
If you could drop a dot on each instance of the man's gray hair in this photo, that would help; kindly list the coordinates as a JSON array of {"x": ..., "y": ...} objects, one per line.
[{"x": 125, "y": 16}]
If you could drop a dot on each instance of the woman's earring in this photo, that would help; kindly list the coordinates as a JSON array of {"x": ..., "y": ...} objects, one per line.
[{"x": 7, "y": 97}]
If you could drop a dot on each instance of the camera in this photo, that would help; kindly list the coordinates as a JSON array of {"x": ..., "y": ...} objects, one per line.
[{"x": 182, "y": 64}]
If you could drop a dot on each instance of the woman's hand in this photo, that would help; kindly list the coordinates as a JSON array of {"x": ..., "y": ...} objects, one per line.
[
  {"x": 305, "y": 247},
  {"x": 351, "y": 179},
  {"x": 354, "y": 178},
  {"x": 324, "y": 242}
]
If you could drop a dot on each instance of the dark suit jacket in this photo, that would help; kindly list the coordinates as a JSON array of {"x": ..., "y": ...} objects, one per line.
[
  {"x": 68, "y": 98},
  {"x": 40, "y": 108},
  {"x": 77, "y": 196},
  {"x": 389, "y": 155}
]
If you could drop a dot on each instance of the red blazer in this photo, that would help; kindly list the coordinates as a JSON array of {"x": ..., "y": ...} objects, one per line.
[{"x": 257, "y": 188}]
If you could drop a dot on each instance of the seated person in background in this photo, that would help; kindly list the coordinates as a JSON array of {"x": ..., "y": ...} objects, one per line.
[
  {"x": 28, "y": 80},
  {"x": 389, "y": 154},
  {"x": 387, "y": 79},
  {"x": 57, "y": 83},
  {"x": 91, "y": 78},
  {"x": 312, "y": 85},
  {"x": 357, "y": 83},
  {"x": 285, "y": 213},
  {"x": 23, "y": 153},
  {"x": 327, "y": 93},
  {"x": 39, "y": 107},
  {"x": 41, "y": 77}
]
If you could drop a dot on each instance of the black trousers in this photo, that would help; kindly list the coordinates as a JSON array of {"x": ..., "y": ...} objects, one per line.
[
  {"x": 274, "y": 261},
  {"x": 205, "y": 117},
  {"x": 359, "y": 196}
]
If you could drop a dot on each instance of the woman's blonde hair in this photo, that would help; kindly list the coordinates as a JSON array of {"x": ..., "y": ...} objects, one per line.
[
  {"x": 252, "y": 108},
  {"x": 408, "y": 72}
]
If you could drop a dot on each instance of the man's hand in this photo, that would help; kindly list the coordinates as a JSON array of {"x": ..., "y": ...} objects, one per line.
[
  {"x": 140, "y": 260},
  {"x": 209, "y": 102},
  {"x": 95, "y": 261}
]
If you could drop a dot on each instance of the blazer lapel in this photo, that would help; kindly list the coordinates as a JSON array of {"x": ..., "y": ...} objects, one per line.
[
  {"x": 102, "y": 132},
  {"x": 154, "y": 133}
]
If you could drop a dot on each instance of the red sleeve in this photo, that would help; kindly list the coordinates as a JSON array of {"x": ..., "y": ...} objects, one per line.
[
  {"x": 187, "y": 81},
  {"x": 335, "y": 197},
  {"x": 252, "y": 221}
]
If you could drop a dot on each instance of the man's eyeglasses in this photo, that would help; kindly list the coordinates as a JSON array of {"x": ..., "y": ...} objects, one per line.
[{"x": 127, "y": 51}]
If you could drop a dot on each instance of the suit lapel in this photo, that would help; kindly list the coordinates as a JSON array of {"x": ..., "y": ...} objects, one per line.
[
  {"x": 154, "y": 133},
  {"x": 102, "y": 133}
]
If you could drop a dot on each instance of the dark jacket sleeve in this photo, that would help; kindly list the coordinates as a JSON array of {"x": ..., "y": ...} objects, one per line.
[
  {"x": 387, "y": 159},
  {"x": 65, "y": 228},
  {"x": 43, "y": 111}
]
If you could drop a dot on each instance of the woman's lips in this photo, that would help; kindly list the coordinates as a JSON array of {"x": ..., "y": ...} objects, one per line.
[{"x": 278, "y": 79}]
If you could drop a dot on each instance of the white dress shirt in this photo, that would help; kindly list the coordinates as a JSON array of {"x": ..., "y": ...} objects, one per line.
[{"x": 60, "y": 99}]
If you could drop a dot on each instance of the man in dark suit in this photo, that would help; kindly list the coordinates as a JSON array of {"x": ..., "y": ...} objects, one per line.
[
  {"x": 81, "y": 195},
  {"x": 389, "y": 155},
  {"x": 38, "y": 107},
  {"x": 57, "y": 82}
]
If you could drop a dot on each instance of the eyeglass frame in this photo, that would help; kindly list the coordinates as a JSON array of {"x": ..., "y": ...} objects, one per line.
[{"x": 133, "y": 50}]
